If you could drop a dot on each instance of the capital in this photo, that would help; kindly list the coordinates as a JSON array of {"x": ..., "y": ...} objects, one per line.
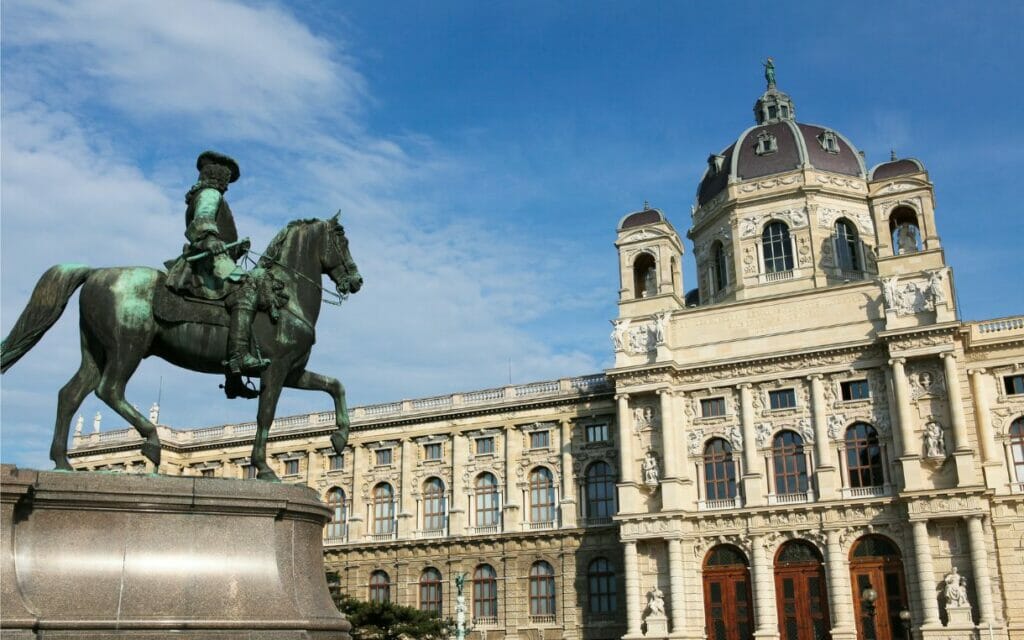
[
  {"x": 665, "y": 392},
  {"x": 948, "y": 354},
  {"x": 744, "y": 385},
  {"x": 897, "y": 361},
  {"x": 977, "y": 372},
  {"x": 815, "y": 376},
  {"x": 621, "y": 396}
]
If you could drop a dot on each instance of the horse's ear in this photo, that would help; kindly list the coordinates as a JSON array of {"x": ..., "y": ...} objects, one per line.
[{"x": 336, "y": 216}]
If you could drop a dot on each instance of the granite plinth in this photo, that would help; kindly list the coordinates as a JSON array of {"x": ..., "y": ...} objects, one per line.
[{"x": 103, "y": 555}]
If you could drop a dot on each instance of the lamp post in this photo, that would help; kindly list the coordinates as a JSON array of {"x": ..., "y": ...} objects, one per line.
[
  {"x": 905, "y": 621},
  {"x": 868, "y": 597}
]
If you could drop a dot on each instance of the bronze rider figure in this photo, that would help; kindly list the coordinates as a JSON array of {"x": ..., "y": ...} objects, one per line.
[{"x": 210, "y": 229}]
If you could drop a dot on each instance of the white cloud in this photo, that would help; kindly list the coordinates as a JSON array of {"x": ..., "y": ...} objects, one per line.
[{"x": 448, "y": 300}]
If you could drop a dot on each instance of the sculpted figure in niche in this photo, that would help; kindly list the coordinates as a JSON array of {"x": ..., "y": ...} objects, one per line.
[
  {"x": 934, "y": 440},
  {"x": 650, "y": 469},
  {"x": 619, "y": 333},
  {"x": 660, "y": 326},
  {"x": 655, "y": 603},
  {"x": 955, "y": 590},
  {"x": 643, "y": 417},
  {"x": 935, "y": 294},
  {"x": 650, "y": 282},
  {"x": 890, "y": 293},
  {"x": 906, "y": 238}
]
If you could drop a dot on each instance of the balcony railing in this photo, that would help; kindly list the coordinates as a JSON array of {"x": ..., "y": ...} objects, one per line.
[
  {"x": 432, "y": 533},
  {"x": 596, "y": 521},
  {"x": 382, "y": 537},
  {"x": 550, "y": 619},
  {"x": 486, "y": 529},
  {"x": 538, "y": 526},
  {"x": 778, "y": 276},
  {"x": 724, "y": 503},
  {"x": 485, "y": 621},
  {"x": 866, "y": 492},
  {"x": 791, "y": 498}
]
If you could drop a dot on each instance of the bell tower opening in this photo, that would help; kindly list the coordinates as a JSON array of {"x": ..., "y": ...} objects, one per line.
[
  {"x": 645, "y": 276},
  {"x": 905, "y": 231}
]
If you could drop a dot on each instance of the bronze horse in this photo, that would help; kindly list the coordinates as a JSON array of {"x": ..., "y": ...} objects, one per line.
[{"x": 118, "y": 329}]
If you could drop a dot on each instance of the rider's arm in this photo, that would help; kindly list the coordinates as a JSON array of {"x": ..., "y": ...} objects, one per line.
[{"x": 203, "y": 231}]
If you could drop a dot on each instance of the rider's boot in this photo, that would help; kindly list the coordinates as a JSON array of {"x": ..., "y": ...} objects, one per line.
[
  {"x": 234, "y": 387},
  {"x": 240, "y": 361}
]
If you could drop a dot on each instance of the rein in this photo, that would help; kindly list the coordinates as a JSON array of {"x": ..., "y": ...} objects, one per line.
[{"x": 330, "y": 297}]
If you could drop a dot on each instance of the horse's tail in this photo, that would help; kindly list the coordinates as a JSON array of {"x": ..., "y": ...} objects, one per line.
[{"x": 48, "y": 300}]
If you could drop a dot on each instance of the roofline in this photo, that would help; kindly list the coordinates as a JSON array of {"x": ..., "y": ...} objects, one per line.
[{"x": 920, "y": 165}]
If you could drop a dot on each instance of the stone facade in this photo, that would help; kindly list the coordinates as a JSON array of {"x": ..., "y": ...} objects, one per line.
[{"x": 807, "y": 445}]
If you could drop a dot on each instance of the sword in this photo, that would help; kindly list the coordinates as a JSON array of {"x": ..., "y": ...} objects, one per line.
[{"x": 204, "y": 254}]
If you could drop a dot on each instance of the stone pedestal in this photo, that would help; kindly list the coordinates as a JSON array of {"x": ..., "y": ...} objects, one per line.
[
  {"x": 102, "y": 555},
  {"x": 959, "y": 624},
  {"x": 656, "y": 626}
]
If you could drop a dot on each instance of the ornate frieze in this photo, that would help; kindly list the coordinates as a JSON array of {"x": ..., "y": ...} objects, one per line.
[
  {"x": 945, "y": 507},
  {"x": 827, "y": 217},
  {"x": 909, "y": 297},
  {"x": 750, "y": 225}
]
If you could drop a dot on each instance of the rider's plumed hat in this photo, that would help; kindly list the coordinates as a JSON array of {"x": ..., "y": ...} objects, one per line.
[{"x": 212, "y": 157}]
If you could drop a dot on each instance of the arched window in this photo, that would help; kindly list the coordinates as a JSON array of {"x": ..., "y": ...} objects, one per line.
[
  {"x": 790, "y": 463},
  {"x": 335, "y": 529},
  {"x": 430, "y": 591},
  {"x": 1017, "y": 448},
  {"x": 719, "y": 471},
  {"x": 487, "y": 500},
  {"x": 380, "y": 587},
  {"x": 847, "y": 256},
  {"x": 600, "y": 481},
  {"x": 863, "y": 456},
  {"x": 485, "y": 593},
  {"x": 542, "y": 496},
  {"x": 433, "y": 505},
  {"x": 905, "y": 231},
  {"x": 719, "y": 271},
  {"x": 383, "y": 509},
  {"x": 777, "y": 248},
  {"x": 542, "y": 589},
  {"x": 601, "y": 586},
  {"x": 645, "y": 276}
]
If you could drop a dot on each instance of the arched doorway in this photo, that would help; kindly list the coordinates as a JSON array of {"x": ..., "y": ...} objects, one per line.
[
  {"x": 800, "y": 592},
  {"x": 727, "y": 601},
  {"x": 875, "y": 563}
]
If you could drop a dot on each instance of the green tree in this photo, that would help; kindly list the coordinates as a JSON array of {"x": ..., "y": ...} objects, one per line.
[{"x": 387, "y": 621}]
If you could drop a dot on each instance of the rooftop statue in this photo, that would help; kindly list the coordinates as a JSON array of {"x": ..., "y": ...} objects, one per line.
[
  {"x": 205, "y": 314},
  {"x": 769, "y": 72}
]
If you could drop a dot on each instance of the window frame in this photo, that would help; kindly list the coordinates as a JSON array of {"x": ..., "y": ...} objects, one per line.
[
  {"x": 599, "y": 428},
  {"x": 383, "y": 509},
  {"x": 847, "y": 246},
  {"x": 719, "y": 470},
  {"x": 486, "y": 501},
  {"x": 384, "y": 457},
  {"x": 777, "y": 255},
  {"x": 543, "y": 500},
  {"x": 432, "y": 448},
  {"x": 847, "y": 389},
  {"x": 1011, "y": 386},
  {"x": 433, "y": 504},
  {"x": 544, "y": 434},
  {"x": 380, "y": 590},
  {"x": 599, "y": 490},
  {"x": 774, "y": 394},
  {"x": 716, "y": 401},
  {"x": 542, "y": 590},
  {"x": 485, "y": 592},
  {"x": 789, "y": 464},
  {"x": 602, "y": 587},
  {"x": 335, "y": 527},
  {"x": 489, "y": 447},
  {"x": 431, "y": 591},
  {"x": 861, "y": 474}
]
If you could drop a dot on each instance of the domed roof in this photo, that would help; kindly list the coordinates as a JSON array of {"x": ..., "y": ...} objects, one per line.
[
  {"x": 640, "y": 218},
  {"x": 777, "y": 144},
  {"x": 896, "y": 167}
]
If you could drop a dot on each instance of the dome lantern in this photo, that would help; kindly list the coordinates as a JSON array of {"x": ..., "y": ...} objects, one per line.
[{"x": 773, "y": 105}]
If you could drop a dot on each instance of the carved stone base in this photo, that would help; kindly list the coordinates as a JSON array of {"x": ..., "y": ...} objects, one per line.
[
  {"x": 959, "y": 617},
  {"x": 656, "y": 627},
  {"x": 103, "y": 555}
]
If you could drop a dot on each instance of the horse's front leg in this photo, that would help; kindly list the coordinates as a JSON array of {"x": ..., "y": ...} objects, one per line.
[
  {"x": 270, "y": 391},
  {"x": 319, "y": 382}
]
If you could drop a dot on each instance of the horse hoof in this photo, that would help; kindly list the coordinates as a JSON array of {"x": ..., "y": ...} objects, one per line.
[
  {"x": 62, "y": 464},
  {"x": 338, "y": 440},
  {"x": 151, "y": 451}
]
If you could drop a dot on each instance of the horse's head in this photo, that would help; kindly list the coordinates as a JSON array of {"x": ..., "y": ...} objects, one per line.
[{"x": 336, "y": 261}]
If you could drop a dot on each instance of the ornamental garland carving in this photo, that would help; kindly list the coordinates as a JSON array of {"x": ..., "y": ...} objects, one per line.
[
  {"x": 887, "y": 206},
  {"x": 797, "y": 363},
  {"x": 918, "y": 342},
  {"x": 783, "y": 181},
  {"x": 837, "y": 181},
  {"x": 827, "y": 217},
  {"x": 751, "y": 225},
  {"x": 897, "y": 187},
  {"x": 926, "y": 380}
]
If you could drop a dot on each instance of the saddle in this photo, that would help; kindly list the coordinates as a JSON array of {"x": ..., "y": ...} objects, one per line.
[{"x": 173, "y": 306}]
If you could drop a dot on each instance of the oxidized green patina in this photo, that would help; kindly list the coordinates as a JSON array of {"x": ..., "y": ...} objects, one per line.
[{"x": 121, "y": 322}]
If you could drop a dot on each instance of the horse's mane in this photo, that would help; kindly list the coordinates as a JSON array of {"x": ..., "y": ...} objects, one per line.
[{"x": 273, "y": 250}]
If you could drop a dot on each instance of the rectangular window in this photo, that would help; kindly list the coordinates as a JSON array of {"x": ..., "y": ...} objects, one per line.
[
  {"x": 207, "y": 473},
  {"x": 540, "y": 439},
  {"x": 249, "y": 471},
  {"x": 855, "y": 390},
  {"x": 597, "y": 433},
  {"x": 432, "y": 451},
  {"x": 1014, "y": 385},
  {"x": 335, "y": 462},
  {"x": 484, "y": 446},
  {"x": 712, "y": 407},
  {"x": 291, "y": 467},
  {"x": 383, "y": 457},
  {"x": 782, "y": 399}
]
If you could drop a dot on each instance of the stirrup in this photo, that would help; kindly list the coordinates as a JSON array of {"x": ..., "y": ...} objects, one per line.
[
  {"x": 234, "y": 387},
  {"x": 245, "y": 364}
]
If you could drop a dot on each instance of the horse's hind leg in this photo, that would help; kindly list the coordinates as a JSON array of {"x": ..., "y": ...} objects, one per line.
[
  {"x": 319, "y": 382},
  {"x": 69, "y": 399},
  {"x": 120, "y": 367}
]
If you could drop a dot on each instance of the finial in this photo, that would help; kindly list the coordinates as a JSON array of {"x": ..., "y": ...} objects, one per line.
[
  {"x": 892, "y": 154},
  {"x": 646, "y": 206},
  {"x": 769, "y": 72}
]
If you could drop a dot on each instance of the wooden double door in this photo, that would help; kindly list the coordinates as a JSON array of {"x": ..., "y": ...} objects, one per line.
[
  {"x": 727, "y": 603},
  {"x": 885, "y": 576},
  {"x": 802, "y": 600}
]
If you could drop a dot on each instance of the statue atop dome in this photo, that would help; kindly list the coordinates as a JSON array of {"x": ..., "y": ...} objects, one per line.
[{"x": 769, "y": 72}]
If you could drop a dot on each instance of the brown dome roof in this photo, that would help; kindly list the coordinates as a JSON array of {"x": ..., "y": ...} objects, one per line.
[{"x": 895, "y": 168}]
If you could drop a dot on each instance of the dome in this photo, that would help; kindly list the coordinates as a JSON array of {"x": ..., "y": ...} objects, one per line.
[
  {"x": 778, "y": 144},
  {"x": 640, "y": 218},
  {"x": 896, "y": 167}
]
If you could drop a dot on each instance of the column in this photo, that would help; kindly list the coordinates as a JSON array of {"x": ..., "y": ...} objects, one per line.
[
  {"x": 678, "y": 591},
  {"x": 357, "y": 509},
  {"x": 982, "y": 417},
  {"x": 979, "y": 564},
  {"x": 826, "y": 466},
  {"x": 926, "y": 584},
  {"x": 956, "y": 403},
  {"x": 627, "y": 458},
  {"x": 901, "y": 391},
  {"x": 457, "y": 496},
  {"x": 839, "y": 588},
  {"x": 763, "y": 577},
  {"x": 510, "y": 511},
  {"x": 408, "y": 516},
  {"x": 753, "y": 489},
  {"x": 632, "y": 581},
  {"x": 568, "y": 501},
  {"x": 670, "y": 446}
]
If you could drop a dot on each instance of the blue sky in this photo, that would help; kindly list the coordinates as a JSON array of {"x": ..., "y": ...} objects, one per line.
[{"x": 481, "y": 154}]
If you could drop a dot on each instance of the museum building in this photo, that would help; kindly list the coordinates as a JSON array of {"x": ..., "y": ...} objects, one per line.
[{"x": 809, "y": 444}]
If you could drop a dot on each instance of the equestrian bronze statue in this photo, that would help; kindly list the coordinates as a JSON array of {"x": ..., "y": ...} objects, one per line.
[{"x": 205, "y": 314}]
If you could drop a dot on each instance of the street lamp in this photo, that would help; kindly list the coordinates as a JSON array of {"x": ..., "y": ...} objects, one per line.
[
  {"x": 905, "y": 621},
  {"x": 868, "y": 596}
]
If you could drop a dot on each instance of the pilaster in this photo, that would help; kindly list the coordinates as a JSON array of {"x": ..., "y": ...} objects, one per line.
[
  {"x": 634, "y": 606},
  {"x": 825, "y": 471},
  {"x": 839, "y": 589},
  {"x": 753, "y": 488},
  {"x": 357, "y": 512},
  {"x": 676, "y": 588},
  {"x": 926, "y": 584},
  {"x": 457, "y": 503},
  {"x": 966, "y": 472},
  {"x": 568, "y": 501},
  {"x": 979, "y": 564},
  {"x": 910, "y": 459},
  {"x": 629, "y": 491},
  {"x": 674, "y": 492},
  {"x": 407, "y": 503},
  {"x": 510, "y": 506},
  {"x": 766, "y": 617},
  {"x": 993, "y": 468}
]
